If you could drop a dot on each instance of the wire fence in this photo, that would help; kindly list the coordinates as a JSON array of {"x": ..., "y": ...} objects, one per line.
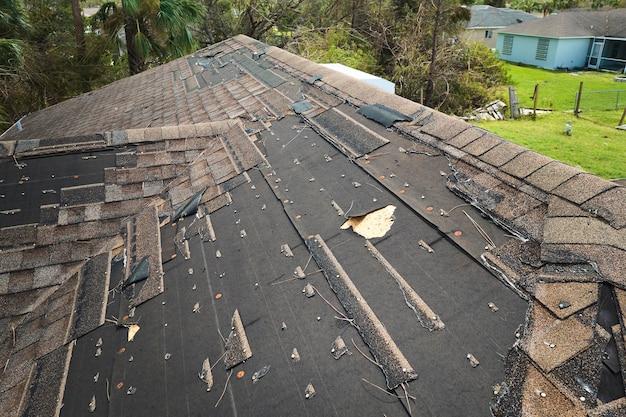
[{"x": 601, "y": 100}]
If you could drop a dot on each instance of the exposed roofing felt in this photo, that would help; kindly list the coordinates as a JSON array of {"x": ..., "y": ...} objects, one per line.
[
  {"x": 585, "y": 23},
  {"x": 256, "y": 302},
  {"x": 485, "y": 16}
]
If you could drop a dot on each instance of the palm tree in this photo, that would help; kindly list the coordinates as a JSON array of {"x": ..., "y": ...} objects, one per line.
[
  {"x": 159, "y": 29},
  {"x": 13, "y": 25}
]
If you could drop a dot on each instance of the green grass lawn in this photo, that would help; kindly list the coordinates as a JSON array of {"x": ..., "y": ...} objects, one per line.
[{"x": 595, "y": 146}]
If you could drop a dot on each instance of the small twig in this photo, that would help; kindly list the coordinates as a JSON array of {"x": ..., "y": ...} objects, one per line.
[
  {"x": 348, "y": 211},
  {"x": 283, "y": 281},
  {"x": 482, "y": 232},
  {"x": 292, "y": 139},
  {"x": 108, "y": 389},
  {"x": 332, "y": 306},
  {"x": 225, "y": 386},
  {"x": 218, "y": 360},
  {"x": 365, "y": 356},
  {"x": 307, "y": 263},
  {"x": 6, "y": 364},
  {"x": 222, "y": 337},
  {"x": 456, "y": 207},
  {"x": 314, "y": 272},
  {"x": 384, "y": 390},
  {"x": 14, "y": 337},
  {"x": 375, "y": 187},
  {"x": 369, "y": 156},
  {"x": 408, "y": 404}
]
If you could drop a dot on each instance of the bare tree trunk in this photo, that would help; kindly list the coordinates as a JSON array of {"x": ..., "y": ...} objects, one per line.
[
  {"x": 432, "y": 67},
  {"x": 79, "y": 29},
  {"x": 135, "y": 62}
]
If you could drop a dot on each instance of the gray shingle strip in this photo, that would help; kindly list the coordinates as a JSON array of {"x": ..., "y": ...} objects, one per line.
[
  {"x": 147, "y": 238},
  {"x": 465, "y": 137},
  {"x": 582, "y": 230},
  {"x": 351, "y": 137},
  {"x": 610, "y": 205},
  {"x": 45, "y": 394},
  {"x": 582, "y": 187},
  {"x": 552, "y": 175},
  {"x": 395, "y": 366},
  {"x": 91, "y": 296},
  {"x": 237, "y": 346},
  {"x": 241, "y": 148},
  {"x": 525, "y": 164},
  {"x": 501, "y": 154},
  {"x": 482, "y": 144},
  {"x": 557, "y": 207},
  {"x": 18, "y": 235},
  {"x": 444, "y": 127},
  {"x": 82, "y": 194}
]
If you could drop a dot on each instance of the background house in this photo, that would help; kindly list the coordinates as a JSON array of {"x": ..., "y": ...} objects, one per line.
[
  {"x": 487, "y": 21},
  {"x": 568, "y": 40}
]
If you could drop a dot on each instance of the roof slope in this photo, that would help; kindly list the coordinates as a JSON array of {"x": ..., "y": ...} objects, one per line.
[
  {"x": 173, "y": 242},
  {"x": 485, "y": 16},
  {"x": 585, "y": 23}
]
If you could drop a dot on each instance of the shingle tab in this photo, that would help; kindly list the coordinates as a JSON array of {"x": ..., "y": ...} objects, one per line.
[
  {"x": 610, "y": 205},
  {"x": 482, "y": 144},
  {"x": 501, "y": 154},
  {"x": 525, "y": 164},
  {"x": 582, "y": 187},
  {"x": 552, "y": 175}
]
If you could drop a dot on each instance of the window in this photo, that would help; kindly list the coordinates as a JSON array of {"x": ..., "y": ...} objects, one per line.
[
  {"x": 488, "y": 34},
  {"x": 507, "y": 45},
  {"x": 542, "y": 49}
]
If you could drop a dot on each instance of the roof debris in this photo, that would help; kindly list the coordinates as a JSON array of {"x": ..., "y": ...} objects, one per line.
[
  {"x": 237, "y": 347},
  {"x": 132, "y": 331},
  {"x": 472, "y": 360},
  {"x": 339, "y": 348},
  {"x": 425, "y": 246},
  {"x": 206, "y": 375},
  {"x": 308, "y": 290},
  {"x": 309, "y": 392},
  {"x": 257, "y": 375},
  {"x": 373, "y": 224},
  {"x": 286, "y": 250}
]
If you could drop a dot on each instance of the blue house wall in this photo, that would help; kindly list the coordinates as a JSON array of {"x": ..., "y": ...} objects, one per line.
[{"x": 562, "y": 53}]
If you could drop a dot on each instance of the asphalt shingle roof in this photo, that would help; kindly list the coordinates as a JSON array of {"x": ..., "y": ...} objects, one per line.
[
  {"x": 491, "y": 248},
  {"x": 485, "y": 16},
  {"x": 585, "y": 23}
]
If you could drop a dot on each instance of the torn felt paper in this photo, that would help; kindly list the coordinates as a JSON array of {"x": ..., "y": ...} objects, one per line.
[{"x": 373, "y": 224}]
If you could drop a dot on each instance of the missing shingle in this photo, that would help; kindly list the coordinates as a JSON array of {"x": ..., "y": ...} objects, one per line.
[
  {"x": 425, "y": 315},
  {"x": 393, "y": 363}
]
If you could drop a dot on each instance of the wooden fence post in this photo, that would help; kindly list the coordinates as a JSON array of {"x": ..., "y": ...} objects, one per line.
[
  {"x": 621, "y": 120},
  {"x": 535, "y": 97},
  {"x": 578, "y": 97},
  {"x": 513, "y": 103}
]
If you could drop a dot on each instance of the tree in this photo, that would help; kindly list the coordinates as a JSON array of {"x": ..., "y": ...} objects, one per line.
[
  {"x": 79, "y": 29},
  {"x": 13, "y": 25},
  {"x": 153, "y": 29},
  {"x": 446, "y": 17},
  {"x": 40, "y": 66}
]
